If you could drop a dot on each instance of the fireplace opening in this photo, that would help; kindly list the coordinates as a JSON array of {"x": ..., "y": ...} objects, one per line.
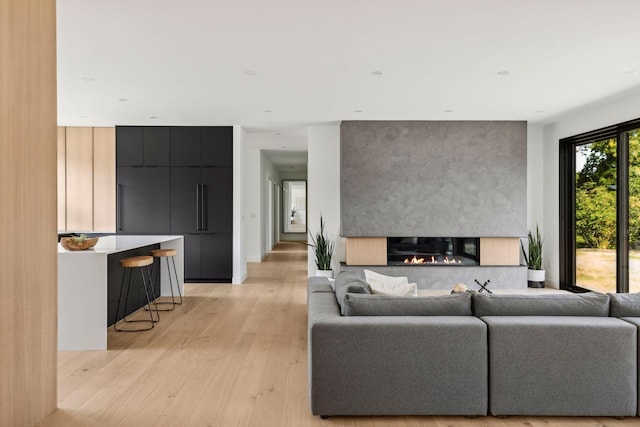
[{"x": 432, "y": 251}]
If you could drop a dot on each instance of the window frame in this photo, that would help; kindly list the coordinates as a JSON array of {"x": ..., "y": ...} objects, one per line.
[{"x": 568, "y": 203}]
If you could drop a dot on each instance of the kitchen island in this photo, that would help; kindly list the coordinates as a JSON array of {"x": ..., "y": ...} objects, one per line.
[{"x": 89, "y": 286}]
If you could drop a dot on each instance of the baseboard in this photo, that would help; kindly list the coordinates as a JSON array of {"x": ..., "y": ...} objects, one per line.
[{"x": 238, "y": 280}]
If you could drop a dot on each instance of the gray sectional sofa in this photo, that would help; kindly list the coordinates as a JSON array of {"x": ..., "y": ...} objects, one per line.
[{"x": 471, "y": 354}]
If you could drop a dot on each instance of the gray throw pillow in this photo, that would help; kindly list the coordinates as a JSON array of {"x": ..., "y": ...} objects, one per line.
[
  {"x": 382, "y": 305},
  {"x": 589, "y": 304},
  {"x": 625, "y": 305},
  {"x": 348, "y": 282}
]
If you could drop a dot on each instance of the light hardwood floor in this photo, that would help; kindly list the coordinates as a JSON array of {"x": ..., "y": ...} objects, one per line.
[{"x": 230, "y": 356}]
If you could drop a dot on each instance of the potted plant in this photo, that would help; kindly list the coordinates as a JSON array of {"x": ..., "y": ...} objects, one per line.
[
  {"x": 533, "y": 258},
  {"x": 293, "y": 215},
  {"x": 323, "y": 249}
]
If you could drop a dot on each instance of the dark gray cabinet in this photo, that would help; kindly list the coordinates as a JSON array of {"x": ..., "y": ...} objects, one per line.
[
  {"x": 215, "y": 256},
  {"x": 214, "y": 150},
  {"x": 202, "y": 146},
  {"x": 201, "y": 200},
  {"x": 142, "y": 199},
  {"x": 143, "y": 146},
  {"x": 179, "y": 180}
]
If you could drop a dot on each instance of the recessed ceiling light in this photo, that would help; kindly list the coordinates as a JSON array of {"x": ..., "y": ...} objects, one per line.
[
  {"x": 153, "y": 117},
  {"x": 448, "y": 111},
  {"x": 377, "y": 73},
  {"x": 503, "y": 73},
  {"x": 267, "y": 111},
  {"x": 630, "y": 72},
  {"x": 84, "y": 117},
  {"x": 88, "y": 79},
  {"x": 249, "y": 73},
  {"x": 123, "y": 99},
  {"x": 283, "y": 146},
  {"x": 276, "y": 134},
  {"x": 538, "y": 111},
  {"x": 357, "y": 111}
]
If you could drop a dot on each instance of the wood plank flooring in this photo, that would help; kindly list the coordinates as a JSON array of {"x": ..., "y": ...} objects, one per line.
[{"x": 231, "y": 355}]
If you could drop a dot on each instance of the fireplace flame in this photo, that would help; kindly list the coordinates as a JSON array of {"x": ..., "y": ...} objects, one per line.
[{"x": 433, "y": 260}]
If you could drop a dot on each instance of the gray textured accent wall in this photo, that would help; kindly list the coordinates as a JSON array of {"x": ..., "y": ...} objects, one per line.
[{"x": 434, "y": 178}]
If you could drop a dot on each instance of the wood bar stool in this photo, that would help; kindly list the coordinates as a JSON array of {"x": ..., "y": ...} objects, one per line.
[
  {"x": 166, "y": 254},
  {"x": 142, "y": 263}
]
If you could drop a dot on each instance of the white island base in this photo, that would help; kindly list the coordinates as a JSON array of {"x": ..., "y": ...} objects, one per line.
[{"x": 83, "y": 284}]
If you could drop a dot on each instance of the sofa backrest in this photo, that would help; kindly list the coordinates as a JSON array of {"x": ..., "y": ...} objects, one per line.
[
  {"x": 587, "y": 304},
  {"x": 382, "y": 305},
  {"x": 625, "y": 305}
]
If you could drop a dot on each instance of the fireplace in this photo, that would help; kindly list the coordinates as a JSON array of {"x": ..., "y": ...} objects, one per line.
[{"x": 433, "y": 251}]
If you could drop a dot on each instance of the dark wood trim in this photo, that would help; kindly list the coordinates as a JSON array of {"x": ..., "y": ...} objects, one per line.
[{"x": 567, "y": 203}]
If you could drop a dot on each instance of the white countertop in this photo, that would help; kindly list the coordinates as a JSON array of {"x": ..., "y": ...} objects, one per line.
[{"x": 118, "y": 243}]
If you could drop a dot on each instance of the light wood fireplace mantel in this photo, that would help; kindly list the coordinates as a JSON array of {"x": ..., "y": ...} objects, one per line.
[{"x": 366, "y": 250}]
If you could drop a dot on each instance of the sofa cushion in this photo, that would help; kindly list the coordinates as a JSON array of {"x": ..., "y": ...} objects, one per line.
[
  {"x": 625, "y": 305},
  {"x": 390, "y": 285},
  {"x": 588, "y": 304},
  {"x": 347, "y": 282},
  {"x": 381, "y": 305}
]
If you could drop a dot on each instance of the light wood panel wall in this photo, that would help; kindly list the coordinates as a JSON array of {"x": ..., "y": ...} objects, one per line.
[
  {"x": 79, "y": 178},
  {"x": 499, "y": 251},
  {"x": 62, "y": 179},
  {"x": 366, "y": 250},
  {"x": 87, "y": 179},
  {"x": 28, "y": 303},
  {"x": 104, "y": 179}
]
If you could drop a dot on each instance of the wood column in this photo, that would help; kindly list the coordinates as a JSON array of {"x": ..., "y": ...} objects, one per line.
[{"x": 28, "y": 254}]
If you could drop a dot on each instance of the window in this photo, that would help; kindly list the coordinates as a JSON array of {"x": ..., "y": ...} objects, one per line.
[{"x": 600, "y": 210}]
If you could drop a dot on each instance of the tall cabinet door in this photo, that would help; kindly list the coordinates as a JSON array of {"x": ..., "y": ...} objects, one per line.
[
  {"x": 79, "y": 179},
  {"x": 218, "y": 199},
  {"x": 143, "y": 200},
  {"x": 104, "y": 179},
  {"x": 185, "y": 200}
]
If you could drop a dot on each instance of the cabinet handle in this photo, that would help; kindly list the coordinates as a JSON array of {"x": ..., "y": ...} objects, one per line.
[
  {"x": 119, "y": 211},
  {"x": 198, "y": 207},
  {"x": 203, "y": 206}
]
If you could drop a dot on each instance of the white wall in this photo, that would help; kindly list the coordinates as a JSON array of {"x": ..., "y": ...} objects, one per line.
[
  {"x": 323, "y": 188},
  {"x": 239, "y": 225},
  {"x": 586, "y": 119},
  {"x": 267, "y": 172},
  {"x": 254, "y": 215},
  {"x": 535, "y": 176}
]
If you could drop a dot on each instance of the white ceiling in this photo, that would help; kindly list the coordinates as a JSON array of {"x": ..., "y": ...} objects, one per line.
[{"x": 209, "y": 62}]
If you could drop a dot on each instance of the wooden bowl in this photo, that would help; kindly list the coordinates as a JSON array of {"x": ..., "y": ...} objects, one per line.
[{"x": 69, "y": 244}]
